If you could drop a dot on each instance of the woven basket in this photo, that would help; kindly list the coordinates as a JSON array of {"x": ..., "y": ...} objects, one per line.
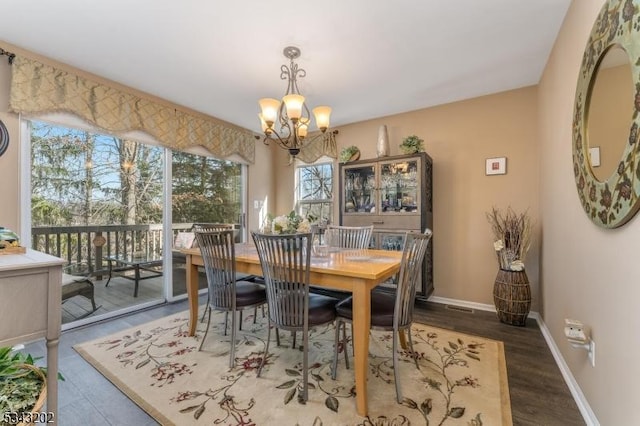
[
  {"x": 43, "y": 392},
  {"x": 512, "y": 297}
]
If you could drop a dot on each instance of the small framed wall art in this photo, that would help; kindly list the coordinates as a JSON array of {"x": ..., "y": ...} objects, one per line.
[
  {"x": 496, "y": 166},
  {"x": 594, "y": 156}
]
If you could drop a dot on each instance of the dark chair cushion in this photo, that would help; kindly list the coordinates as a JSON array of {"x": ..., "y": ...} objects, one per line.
[
  {"x": 322, "y": 309},
  {"x": 248, "y": 293},
  {"x": 382, "y": 306}
]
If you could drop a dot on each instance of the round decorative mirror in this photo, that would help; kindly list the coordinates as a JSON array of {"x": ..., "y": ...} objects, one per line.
[
  {"x": 606, "y": 123},
  {"x": 4, "y": 138},
  {"x": 610, "y": 112}
]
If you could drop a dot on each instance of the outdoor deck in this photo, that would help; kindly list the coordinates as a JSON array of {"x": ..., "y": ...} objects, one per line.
[{"x": 119, "y": 295}]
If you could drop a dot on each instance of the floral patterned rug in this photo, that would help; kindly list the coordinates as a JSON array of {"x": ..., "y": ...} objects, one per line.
[{"x": 462, "y": 379}]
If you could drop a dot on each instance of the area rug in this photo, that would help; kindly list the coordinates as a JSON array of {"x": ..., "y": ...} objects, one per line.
[{"x": 461, "y": 381}]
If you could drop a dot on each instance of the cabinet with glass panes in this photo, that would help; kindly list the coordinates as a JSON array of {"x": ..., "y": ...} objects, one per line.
[{"x": 394, "y": 194}]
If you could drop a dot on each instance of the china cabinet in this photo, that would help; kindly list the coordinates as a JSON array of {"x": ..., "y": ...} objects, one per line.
[{"x": 394, "y": 194}]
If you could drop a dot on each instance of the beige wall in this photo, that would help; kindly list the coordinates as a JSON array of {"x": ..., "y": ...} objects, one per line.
[
  {"x": 589, "y": 273},
  {"x": 459, "y": 137}
]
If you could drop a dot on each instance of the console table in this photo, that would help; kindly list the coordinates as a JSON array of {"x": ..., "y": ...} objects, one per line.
[{"x": 31, "y": 289}]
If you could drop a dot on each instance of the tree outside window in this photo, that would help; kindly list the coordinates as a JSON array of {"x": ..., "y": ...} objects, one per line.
[{"x": 314, "y": 192}]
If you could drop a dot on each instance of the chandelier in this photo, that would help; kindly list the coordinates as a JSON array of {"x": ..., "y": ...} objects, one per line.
[{"x": 291, "y": 115}]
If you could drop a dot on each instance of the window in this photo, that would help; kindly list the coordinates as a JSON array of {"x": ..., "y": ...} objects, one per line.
[{"x": 314, "y": 193}]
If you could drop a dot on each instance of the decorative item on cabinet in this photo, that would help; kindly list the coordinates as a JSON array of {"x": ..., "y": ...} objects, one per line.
[
  {"x": 10, "y": 242},
  {"x": 383, "y": 141},
  {"x": 412, "y": 144},
  {"x": 349, "y": 153},
  {"x": 395, "y": 195}
]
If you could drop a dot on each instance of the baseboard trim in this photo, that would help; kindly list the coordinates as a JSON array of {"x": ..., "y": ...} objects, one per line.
[
  {"x": 463, "y": 303},
  {"x": 583, "y": 405}
]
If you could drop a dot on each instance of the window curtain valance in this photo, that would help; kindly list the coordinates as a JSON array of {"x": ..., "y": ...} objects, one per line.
[
  {"x": 37, "y": 88},
  {"x": 324, "y": 145}
]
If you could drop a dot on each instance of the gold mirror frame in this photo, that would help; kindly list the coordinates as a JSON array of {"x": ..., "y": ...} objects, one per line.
[{"x": 613, "y": 202}]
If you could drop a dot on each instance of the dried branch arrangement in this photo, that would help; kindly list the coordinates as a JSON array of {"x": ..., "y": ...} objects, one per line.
[{"x": 512, "y": 233}]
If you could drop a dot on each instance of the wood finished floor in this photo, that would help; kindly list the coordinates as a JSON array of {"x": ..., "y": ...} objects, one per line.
[{"x": 539, "y": 395}]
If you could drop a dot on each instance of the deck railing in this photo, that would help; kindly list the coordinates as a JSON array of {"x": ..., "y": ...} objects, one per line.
[{"x": 86, "y": 247}]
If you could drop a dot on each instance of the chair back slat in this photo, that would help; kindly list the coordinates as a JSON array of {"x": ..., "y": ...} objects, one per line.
[
  {"x": 212, "y": 227},
  {"x": 285, "y": 261},
  {"x": 350, "y": 237},
  {"x": 411, "y": 266},
  {"x": 218, "y": 254}
]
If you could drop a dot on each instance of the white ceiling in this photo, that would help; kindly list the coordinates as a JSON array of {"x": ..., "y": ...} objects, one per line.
[{"x": 364, "y": 58}]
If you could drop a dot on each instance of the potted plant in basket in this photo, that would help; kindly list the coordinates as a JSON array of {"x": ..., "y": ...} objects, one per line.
[
  {"x": 23, "y": 388},
  {"x": 512, "y": 238},
  {"x": 411, "y": 144},
  {"x": 349, "y": 153}
]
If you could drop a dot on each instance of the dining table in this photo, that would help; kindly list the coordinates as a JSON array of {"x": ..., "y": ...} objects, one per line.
[{"x": 356, "y": 271}]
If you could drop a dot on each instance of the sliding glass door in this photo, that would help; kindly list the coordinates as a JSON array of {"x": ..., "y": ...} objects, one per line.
[
  {"x": 112, "y": 208},
  {"x": 204, "y": 190},
  {"x": 97, "y": 201}
]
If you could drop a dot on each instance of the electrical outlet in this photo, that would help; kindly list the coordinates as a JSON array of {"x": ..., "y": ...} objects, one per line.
[{"x": 592, "y": 353}]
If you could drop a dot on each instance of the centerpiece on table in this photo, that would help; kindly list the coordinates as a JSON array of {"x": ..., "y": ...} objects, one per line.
[
  {"x": 291, "y": 223},
  {"x": 512, "y": 238}
]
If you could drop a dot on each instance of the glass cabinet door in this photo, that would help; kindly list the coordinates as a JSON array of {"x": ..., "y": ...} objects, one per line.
[
  {"x": 359, "y": 189},
  {"x": 399, "y": 187}
]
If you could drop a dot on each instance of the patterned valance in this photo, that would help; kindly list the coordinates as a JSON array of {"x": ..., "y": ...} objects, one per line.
[
  {"x": 324, "y": 145},
  {"x": 37, "y": 88}
]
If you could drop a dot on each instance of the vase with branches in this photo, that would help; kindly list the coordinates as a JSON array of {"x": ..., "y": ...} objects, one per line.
[
  {"x": 511, "y": 291},
  {"x": 512, "y": 237}
]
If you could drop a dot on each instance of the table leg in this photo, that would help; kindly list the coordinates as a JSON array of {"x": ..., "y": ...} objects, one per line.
[
  {"x": 52, "y": 374},
  {"x": 361, "y": 325},
  {"x": 192, "y": 294}
]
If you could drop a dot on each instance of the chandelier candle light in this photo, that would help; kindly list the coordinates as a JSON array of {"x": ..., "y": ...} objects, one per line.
[{"x": 291, "y": 113}]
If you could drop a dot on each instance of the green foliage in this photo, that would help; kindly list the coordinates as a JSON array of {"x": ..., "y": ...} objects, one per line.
[
  {"x": 412, "y": 144},
  {"x": 205, "y": 189},
  {"x": 19, "y": 385},
  {"x": 348, "y": 152},
  {"x": 77, "y": 178}
]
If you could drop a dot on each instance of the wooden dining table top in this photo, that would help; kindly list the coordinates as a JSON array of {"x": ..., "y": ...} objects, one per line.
[{"x": 367, "y": 264}]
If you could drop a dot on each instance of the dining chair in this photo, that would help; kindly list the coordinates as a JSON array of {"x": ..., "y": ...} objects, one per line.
[
  {"x": 285, "y": 261},
  {"x": 391, "y": 312},
  {"x": 351, "y": 237},
  {"x": 225, "y": 292},
  {"x": 211, "y": 227}
]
